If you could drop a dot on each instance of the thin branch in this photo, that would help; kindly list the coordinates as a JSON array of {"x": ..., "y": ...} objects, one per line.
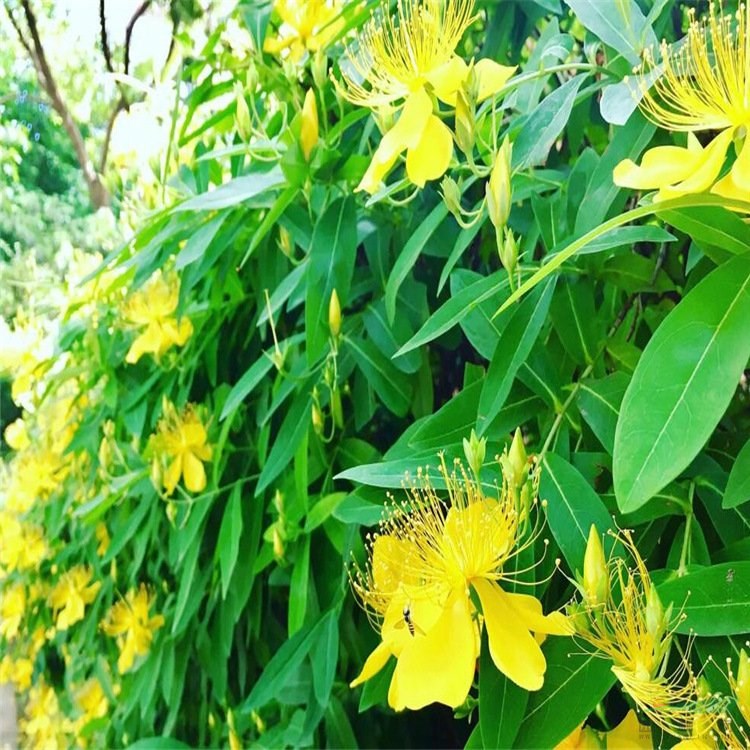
[
  {"x": 121, "y": 106},
  {"x": 16, "y": 26},
  {"x": 140, "y": 10},
  {"x": 103, "y": 34}
]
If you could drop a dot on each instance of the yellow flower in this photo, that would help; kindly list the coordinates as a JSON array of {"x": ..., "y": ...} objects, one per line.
[
  {"x": 71, "y": 594},
  {"x": 151, "y": 309},
  {"x": 179, "y": 447},
  {"x": 43, "y": 725},
  {"x": 633, "y": 629},
  {"x": 92, "y": 701},
  {"x": 128, "y": 620},
  {"x": 22, "y": 545},
  {"x": 307, "y": 25},
  {"x": 12, "y": 610},
  {"x": 17, "y": 435},
  {"x": 428, "y": 559},
  {"x": 705, "y": 85},
  {"x": 102, "y": 536},
  {"x": 16, "y": 671},
  {"x": 629, "y": 734},
  {"x": 309, "y": 132},
  {"x": 410, "y": 57}
]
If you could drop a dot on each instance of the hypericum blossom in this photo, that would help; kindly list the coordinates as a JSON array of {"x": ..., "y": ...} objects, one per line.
[
  {"x": 151, "y": 311},
  {"x": 410, "y": 58},
  {"x": 22, "y": 545},
  {"x": 12, "y": 610},
  {"x": 705, "y": 85},
  {"x": 631, "y": 627},
  {"x": 92, "y": 701},
  {"x": 307, "y": 26},
  {"x": 179, "y": 448},
  {"x": 129, "y": 621},
  {"x": 629, "y": 734},
  {"x": 43, "y": 724},
  {"x": 71, "y": 594},
  {"x": 428, "y": 562}
]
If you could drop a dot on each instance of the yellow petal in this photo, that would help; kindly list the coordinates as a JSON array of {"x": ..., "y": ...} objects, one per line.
[
  {"x": 405, "y": 134},
  {"x": 438, "y": 667},
  {"x": 148, "y": 342},
  {"x": 492, "y": 77},
  {"x": 194, "y": 473},
  {"x": 691, "y": 744},
  {"x": 424, "y": 612},
  {"x": 741, "y": 169},
  {"x": 374, "y": 663},
  {"x": 432, "y": 155},
  {"x": 448, "y": 79},
  {"x": 630, "y": 735},
  {"x": 172, "y": 475},
  {"x": 660, "y": 167},
  {"x": 706, "y": 171},
  {"x": 514, "y": 651},
  {"x": 529, "y": 609}
]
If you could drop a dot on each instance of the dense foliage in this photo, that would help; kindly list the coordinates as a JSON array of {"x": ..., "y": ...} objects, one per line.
[{"x": 309, "y": 335}]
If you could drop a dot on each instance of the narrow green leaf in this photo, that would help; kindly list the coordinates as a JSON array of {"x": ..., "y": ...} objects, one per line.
[
  {"x": 228, "y": 545},
  {"x": 572, "y": 507},
  {"x": 574, "y": 683},
  {"x": 716, "y": 599},
  {"x": 298, "y": 583},
  {"x": 711, "y": 225},
  {"x": 683, "y": 384},
  {"x": 325, "y": 657},
  {"x": 412, "y": 250},
  {"x": 738, "y": 484},
  {"x": 271, "y": 218},
  {"x": 247, "y": 383},
  {"x": 199, "y": 242},
  {"x": 512, "y": 349},
  {"x": 599, "y": 402},
  {"x": 239, "y": 190}
]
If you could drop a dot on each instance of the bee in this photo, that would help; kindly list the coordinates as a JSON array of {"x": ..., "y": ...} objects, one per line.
[
  {"x": 730, "y": 575},
  {"x": 407, "y": 618}
]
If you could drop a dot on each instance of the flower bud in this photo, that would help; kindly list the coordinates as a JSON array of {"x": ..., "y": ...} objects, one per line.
[
  {"x": 278, "y": 543},
  {"x": 242, "y": 114},
  {"x": 465, "y": 129},
  {"x": 334, "y": 315},
  {"x": 337, "y": 411},
  {"x": 16, "y": 435},
  {"x": 452, "y": 196},
  {"x": 742, "y": 686},
  {"x": 286, "y": 243},
  {"x": 655, "y": 619},
  {"x": 475, "y": 449},
  {"x": 518, "y": 461},
  {"x": 320, "y": 68},
  {"x": 508, "y": 251},
  {"x": 317, "y": 419},
  {"x": 251, "y": 77},
  {"x": 498, "y": 188},
  {"x": 595, "y": 570},
  {"x": 308, "y": 136}
]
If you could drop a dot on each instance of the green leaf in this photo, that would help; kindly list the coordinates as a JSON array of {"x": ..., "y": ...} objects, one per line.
[
  {"x": 198, "y": 242},
  {"x": 711, "y": 225},
  {"x": 355, "y": 509},
  {"x": 512, "y": 349},
  {"x": 575, "y": 321},
  {"x": 247, "y": 383},
  {"x": 409, "y": 255},
  {"x": 716, "y": 600},
  {"x": 332, "y": 254},
  {"x": 283, "y": 664},
  {"x": 621, "y": 25},
  {"x": 738, "y": 484},
  {"x": 540, "y": 129},
  {"x": 158, "y": 743},
  {"x": 298, "y": 584},
  {"x": 391, "y": 385},
  {"x": 325, "y": 657},
  {"x": 572, "y": 507},
  {"x": 228, "y": 545},
  {"x": 239, "y": 190},
  {"x": 270, "y": 219},
  {"x": 683, "y": 384},
  {"x": 574, "y": 683},
  {"x": 324, "y": 508},
  {"x": 455, "y": 309},
  {"x": 599, "y": 403}
]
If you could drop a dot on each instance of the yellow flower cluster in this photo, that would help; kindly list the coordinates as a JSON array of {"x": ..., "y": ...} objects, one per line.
[
  {"x": 129, "y": 622},
  {"x": 704, "y": 86},
  {"x": 151, "y": 311},
  {"x": 306, "y": 26},
  {"x": 178, "y": 449},
  {"x": 435, "y": 576},
  {"x": 409, "y": 61}
]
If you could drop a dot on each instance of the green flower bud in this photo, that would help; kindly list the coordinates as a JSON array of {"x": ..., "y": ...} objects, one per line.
[
  {"x": 498, "y": 188},
  {"x": 595, "y": 570}
]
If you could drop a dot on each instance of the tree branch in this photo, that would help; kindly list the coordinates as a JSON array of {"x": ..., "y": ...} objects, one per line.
[
  {"x": 14, "y": 24},
  {"x": 98, "y": 194},
  {"x": 140, "y": 10},
  {"x": 103, "y": 34}
]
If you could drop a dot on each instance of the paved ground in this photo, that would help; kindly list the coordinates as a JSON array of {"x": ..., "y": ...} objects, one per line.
[{"x": 7, "y": 718}]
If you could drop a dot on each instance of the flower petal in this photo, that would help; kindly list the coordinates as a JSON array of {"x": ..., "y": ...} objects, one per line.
[
  {"x": 194, "y": 473},
  {"x": 630, "y": 735},
  {"x": 374, "y": 663},
  {"x": 432, "y": 155},
  {"x": 660, "y": 167},
  {"x": 514, "y": 651},
  {"x": 438, "y": 666},
  {"x": 529, "y": 609},
  {"x": 448, "y": 79},
  {"x": 706, "y": 171},
  {"x": 405, "y": 134},
  {"x": 492, "y": 77}
]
